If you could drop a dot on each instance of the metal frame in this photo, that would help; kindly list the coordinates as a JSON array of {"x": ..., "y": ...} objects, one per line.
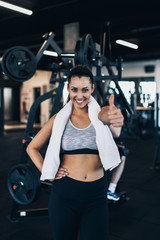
[
  {"x": 1, "y": 105},
  {"x": 156, "y": 162}
]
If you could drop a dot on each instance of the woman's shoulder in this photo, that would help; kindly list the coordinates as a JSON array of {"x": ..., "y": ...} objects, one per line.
[
  {"x": 50, "y": 121},
  {"x": 52, "y": 118}
]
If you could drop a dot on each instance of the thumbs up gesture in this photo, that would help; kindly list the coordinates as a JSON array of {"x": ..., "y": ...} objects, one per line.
[
  {"x": 111, "y": 101},
  {"x": 112, "y": 116}
]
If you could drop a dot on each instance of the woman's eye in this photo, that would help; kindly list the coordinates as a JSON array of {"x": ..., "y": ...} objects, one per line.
[
  {"x": 85, "y": 90},
  {"x": 74, "y": 89}
]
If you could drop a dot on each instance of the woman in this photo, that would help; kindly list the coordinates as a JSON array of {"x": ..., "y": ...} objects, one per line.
[{"x": 87, "y": 149}]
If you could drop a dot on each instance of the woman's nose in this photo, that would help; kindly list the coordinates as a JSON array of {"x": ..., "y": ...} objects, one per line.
[{"x": 79, "y": 94}]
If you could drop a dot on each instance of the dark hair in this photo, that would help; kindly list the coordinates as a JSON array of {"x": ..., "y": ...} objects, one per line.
[{"x": 80, "y": 70}]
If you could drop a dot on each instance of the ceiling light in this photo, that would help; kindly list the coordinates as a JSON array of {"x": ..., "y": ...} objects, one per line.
[
  {"x": 50, "y": 53},
  {"x": 67, "y": 54},
  {"x": 127, "y": 44},
  {"x": 54, "y": 54},
  {"x": 15, "y": 8}
]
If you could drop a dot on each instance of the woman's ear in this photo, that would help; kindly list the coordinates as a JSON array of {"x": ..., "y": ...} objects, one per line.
[{"x": 92, "y": 88}]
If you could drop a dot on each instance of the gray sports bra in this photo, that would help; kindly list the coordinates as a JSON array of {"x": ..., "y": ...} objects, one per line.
[{"x": 79, "y": 140}]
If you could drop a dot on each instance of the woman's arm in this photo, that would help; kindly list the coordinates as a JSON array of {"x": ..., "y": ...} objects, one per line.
[{"x": 38, "y": 142}]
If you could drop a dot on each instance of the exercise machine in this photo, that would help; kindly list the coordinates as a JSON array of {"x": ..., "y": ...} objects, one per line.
[{"x": 19, "y": 64}]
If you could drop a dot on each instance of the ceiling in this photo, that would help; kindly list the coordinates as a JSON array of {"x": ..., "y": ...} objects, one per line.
[{"x": 136, "y": 21}]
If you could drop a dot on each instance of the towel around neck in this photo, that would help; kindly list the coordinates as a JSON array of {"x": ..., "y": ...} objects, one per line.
[{"x": 108, "y": 151}]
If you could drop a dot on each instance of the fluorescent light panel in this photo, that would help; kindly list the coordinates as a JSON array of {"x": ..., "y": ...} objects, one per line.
[
  {"x": 15, "y": 8},
  {"x": 67, "y": 55},
  {"x": 50, "y": 53},
  {"x": 127, "y": 44},
  {"x": 54, "y": 54}
]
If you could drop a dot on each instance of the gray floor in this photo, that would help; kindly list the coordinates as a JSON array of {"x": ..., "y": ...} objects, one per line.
[{"x": 135, "y": 219}]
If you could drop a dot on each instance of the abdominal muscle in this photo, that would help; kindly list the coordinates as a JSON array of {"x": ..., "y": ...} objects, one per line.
[{"x": 83, "y": 167}]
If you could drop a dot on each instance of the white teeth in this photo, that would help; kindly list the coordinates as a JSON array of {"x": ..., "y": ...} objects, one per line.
[{"x": 79, "y": 101}]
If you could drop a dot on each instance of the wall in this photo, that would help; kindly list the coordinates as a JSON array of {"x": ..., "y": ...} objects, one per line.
[
  {"x": 40, "y": 79},
  {"x": 137, "y": 69}
]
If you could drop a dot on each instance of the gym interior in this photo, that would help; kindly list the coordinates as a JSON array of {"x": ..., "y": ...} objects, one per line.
[{"x": 37, "y": 52}]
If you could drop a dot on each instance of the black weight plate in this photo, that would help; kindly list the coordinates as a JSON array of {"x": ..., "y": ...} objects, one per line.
[
  {"x": 3, "y": 62},
  {"x": 87, "y": 44},
  {"x": 86, "y": 48},
  {"x": 23, "y": 184},
  {"x": 19, "y": 63},
  {"x": 77, "y": 48}
]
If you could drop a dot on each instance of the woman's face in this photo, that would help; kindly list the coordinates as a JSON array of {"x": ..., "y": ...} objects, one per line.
[{"x": 80, "y": 90}]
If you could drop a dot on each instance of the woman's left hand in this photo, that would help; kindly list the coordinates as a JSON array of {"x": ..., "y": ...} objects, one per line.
[{"x": 111, "y": 115}]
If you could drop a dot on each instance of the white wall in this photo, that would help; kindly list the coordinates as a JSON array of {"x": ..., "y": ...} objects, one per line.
[{"x": 137, "y": 69}]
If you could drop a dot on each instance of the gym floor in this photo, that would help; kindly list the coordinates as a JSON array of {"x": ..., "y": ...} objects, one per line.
[{"x": 135, "y": 217}]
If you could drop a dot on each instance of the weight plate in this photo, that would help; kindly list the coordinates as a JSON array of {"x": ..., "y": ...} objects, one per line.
[
  {"x": 23, "y": 184},
  {"x": 84, "y": 50},
  {"x": 19, "y": 63},
  {"x": 77, "y": 48}
]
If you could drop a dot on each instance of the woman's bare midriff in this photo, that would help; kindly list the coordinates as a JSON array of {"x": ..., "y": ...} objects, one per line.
[{"x": 83, "y": 167}]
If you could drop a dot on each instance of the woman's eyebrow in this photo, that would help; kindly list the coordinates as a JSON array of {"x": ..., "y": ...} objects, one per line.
[
  {"x": 85, "y": 88},
  {"x": 73, "y": 87},
  {"x": 82, "y": 88}
]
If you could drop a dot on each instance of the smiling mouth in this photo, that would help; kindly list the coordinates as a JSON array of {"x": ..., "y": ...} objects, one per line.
[{"x": 80, "y": 101}]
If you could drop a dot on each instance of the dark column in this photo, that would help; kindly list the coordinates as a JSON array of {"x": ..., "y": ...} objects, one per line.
[{"x": 1, "y": 104}]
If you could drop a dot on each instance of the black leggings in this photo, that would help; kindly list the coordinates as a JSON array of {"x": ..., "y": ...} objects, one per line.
[{"x": 77, "y": 206}]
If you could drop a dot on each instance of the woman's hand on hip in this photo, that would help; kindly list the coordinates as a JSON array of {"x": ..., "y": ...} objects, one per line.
[{"x": 62, "y": 172}]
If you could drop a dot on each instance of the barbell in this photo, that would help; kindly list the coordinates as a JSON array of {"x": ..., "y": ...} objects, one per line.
[{"x": 20, "y": 64}]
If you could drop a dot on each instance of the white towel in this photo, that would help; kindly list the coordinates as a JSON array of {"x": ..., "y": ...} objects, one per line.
[{"x": 107, "y": 148}]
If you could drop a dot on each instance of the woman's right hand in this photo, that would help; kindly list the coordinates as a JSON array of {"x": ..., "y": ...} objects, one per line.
[{"x": 62, "y": 172}]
